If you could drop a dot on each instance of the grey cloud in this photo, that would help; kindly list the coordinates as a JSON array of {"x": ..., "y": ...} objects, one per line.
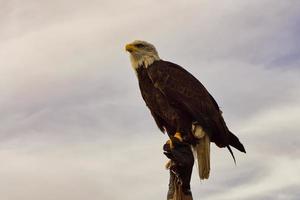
[
  {"x": 230, "y": 177},
  {"x": 72, "y": 115},
  {"x": 288, "y": 193},
  {"x": 283, "y": 143}
]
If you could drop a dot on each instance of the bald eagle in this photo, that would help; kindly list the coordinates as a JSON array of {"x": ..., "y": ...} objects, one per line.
[{"x": 180, "y": 105}]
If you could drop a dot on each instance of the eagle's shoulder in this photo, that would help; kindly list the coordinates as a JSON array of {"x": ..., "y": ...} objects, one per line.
[
  {"x": 179, "y": 79},
  {"x": 169, "y": 70},
  {"x": 166, "y": 70},
  {"x": 167, "y": 65}
]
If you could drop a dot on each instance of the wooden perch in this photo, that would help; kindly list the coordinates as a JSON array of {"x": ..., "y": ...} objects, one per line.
[
  {"x": 176, "y": 192},
  {"x": 181, "y": 167}
]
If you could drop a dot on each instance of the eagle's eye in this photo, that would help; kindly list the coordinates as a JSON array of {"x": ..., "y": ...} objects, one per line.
[{"x": 140, "y": 45}]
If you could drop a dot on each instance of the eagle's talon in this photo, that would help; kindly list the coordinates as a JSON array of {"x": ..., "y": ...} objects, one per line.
[
  {"x": 170, "y": 143},
  {"x": 168, "y": 164},
  {"x": 178, "y": 136}
]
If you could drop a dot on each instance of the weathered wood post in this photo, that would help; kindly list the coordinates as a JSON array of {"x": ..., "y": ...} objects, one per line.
[{"x": 180, "y": 167}]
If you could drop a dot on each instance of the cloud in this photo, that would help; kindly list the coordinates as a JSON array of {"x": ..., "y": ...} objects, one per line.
[{"x": 73, "y": 124}]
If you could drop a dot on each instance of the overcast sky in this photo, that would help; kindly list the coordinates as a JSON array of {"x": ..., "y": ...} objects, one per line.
[{"x": 73, "y": 123}]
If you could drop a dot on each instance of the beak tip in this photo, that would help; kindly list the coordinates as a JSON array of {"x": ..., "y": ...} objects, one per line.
[{"x": 129, "y": 48}]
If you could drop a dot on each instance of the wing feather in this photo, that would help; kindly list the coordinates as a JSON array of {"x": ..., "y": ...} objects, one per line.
[{"x": 186, "y": 92}]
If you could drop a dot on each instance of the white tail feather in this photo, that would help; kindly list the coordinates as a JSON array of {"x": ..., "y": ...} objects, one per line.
[{"x": 202, "y": 151}]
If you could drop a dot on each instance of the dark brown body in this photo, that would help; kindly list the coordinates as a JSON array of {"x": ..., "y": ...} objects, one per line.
[
  {"x": 167, "y": 116},
  {"x": 177, "y": 99}
]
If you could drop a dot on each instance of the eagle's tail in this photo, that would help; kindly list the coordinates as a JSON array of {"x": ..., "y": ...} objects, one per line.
[
  {"x": 229, "y": 149},
  {"x": 202, "y": 152},
  {"x": 235, "y": 142}
]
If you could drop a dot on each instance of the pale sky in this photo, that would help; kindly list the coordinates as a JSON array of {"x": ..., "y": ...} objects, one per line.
[{"x": 74, "y": 125}]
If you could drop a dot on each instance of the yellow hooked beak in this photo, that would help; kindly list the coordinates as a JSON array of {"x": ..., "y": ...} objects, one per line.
[{"x": 130, "y": 48}]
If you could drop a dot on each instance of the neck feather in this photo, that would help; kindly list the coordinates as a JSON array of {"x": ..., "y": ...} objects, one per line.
[{"x": 143, "y": 61}]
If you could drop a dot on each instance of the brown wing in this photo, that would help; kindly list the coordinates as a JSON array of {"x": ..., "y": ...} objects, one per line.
[{"x": 184, "y": 91}]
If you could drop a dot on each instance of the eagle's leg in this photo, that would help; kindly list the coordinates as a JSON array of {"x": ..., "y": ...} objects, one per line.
[
  {"x": 177, "y": 136},
  {"x": 168, "y": 164}
]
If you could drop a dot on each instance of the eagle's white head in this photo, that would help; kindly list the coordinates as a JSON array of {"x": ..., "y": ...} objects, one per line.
[{"x": 142, "y": 53}]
